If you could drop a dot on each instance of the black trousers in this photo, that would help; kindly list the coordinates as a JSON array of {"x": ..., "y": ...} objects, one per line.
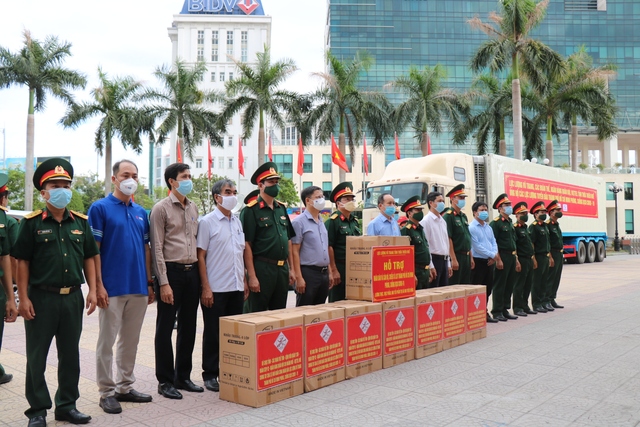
[
  {"x": 317, "y": 286},
  {"x": 224, "y": 304},
  {"x": 442, "y": 271},
  {"x": 482, "y": 274},
  {"x": 186, "y": 295}
]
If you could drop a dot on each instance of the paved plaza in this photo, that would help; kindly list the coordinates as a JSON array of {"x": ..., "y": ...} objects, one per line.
[{"x": 574, "y": 367}]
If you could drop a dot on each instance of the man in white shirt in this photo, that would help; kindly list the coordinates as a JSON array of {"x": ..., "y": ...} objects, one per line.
[
  {"x": 435, "y": 230},
  {"x": 220, "y": 243}
]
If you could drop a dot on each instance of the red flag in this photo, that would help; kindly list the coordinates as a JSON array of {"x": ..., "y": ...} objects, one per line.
[
  {"x": 210, "y": 161},
  {"x": 270, "y": 153},
  {"x": 397, "y": 148},
  {"x": 300, "y": 156},
  {"x": 240, "y": 157},
  {"x": 337, "y": 157},
  {"x": 365, "y": 158},
  {"x": 178, "y": 153},
  {"x": 428, "y": 144}
]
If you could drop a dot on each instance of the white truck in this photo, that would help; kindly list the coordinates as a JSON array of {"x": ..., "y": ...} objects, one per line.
[{"x": 581, "y": 196}]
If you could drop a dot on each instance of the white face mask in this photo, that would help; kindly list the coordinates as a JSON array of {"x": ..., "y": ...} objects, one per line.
[
  {"x": 128, "y": 186},
  {"x": 350, "y": 206},
  {"x": 229, "y": 202},
  {"x": 319, "y": 203}
]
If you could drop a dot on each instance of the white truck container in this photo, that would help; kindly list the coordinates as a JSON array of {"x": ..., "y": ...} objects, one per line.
[{"x": 581, "y": 196}]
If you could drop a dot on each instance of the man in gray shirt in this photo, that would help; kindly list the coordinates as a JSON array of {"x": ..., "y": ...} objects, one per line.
[{"x": 311, "y": 250}]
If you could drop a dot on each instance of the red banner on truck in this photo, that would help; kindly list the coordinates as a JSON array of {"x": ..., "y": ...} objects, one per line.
[{"x": 575, "y": 200}]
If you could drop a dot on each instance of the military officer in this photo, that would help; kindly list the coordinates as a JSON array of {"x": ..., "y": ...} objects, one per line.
[
  {"x": 527, "y": 260},
  {"x": 557, "y": 246},
  {"x": 339, "y": 225},
  {"x": 459, "y": 237},
  {"x": 540, "y": 238},
  {"x": 507, "y": 263},
  {"x": 424, "y": 273},
  {"x": 53, "y": 247},
  {"x": 7, "y": 301},
  {"x": 268, "y": 252}
]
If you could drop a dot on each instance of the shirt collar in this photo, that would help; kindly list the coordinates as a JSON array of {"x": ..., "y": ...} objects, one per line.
[
  {"x": 66, "y": 215},
  {"x": 219, "y": 215},
  {"x": 309, "y": 216},
  {"x": 113, "y": 199},
  {"x": 174, "y": 199}
]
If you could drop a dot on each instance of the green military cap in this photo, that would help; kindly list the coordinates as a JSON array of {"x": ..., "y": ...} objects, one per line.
[
  {"x": 520, "y": 207},
  {"x": 539, "y": 206},
  {"x": 251, "y": 197},
  {"x": 342, "y": 189},
  {"x": 501, "y": 200},
  {"x": 54, "y": 168},
  {"x": 4, "y": 178},
  {"x": 411, "y": 203},
  {"x": 265, "y": 171},
  {"x": 553, "y": 205},
  {"x": 458, "y": 190}
]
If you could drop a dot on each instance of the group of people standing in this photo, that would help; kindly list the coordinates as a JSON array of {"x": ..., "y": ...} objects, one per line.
[{"x": 514, "y": 261}]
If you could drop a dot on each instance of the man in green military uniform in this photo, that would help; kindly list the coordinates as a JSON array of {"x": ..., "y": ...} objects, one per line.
[
  {"x": 424, "y": 273},
  {"x": 7, "y": 301},
  {"x": 527, "y": 260},
  {"x": 53, "y": 248},
  {"x": 340, "y": 224},
  {"x": 267, "y": 254},
  {"x": 459, "y": 237},
  {"x": 540, "y": 239},
  {"x": 557, "y": 253},
  {"x": 507, "y": 263}
]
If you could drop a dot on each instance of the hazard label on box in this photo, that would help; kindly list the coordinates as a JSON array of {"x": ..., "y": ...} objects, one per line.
[
  {"x": 364, "y": 337},
  {"x": 399, "y": 330},
  {"x": 325, "y": 346},
  {"x": 279, "y": 356},
  {"x": 430, "y": 317},
  {"x": 454, "y": 317},
  {"x": 476, "y": 311}
]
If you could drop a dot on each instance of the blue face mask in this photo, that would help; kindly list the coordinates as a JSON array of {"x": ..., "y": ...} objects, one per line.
[
  {"x": 185, "y": 187},
  {"x": 390, "y": 210},
  {"x": 462, "y": 203},
  {"x": 484, "y": 215},
  {"x": 440, "y": 207},
  {"x": 60, "y": 197},
  {"x": 508, "y": 210}
]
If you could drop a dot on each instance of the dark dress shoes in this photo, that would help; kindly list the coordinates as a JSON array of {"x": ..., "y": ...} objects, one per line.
[
  {"x": 110, "y": 405},
  {"x": 188, "y": 385},
  {"x": 509, "y": 316},
  {"x": 500, "y": 317},
  {"x": 38, "y": 421},
  {"x": 553, "y": 304},
  {"x": 540, "y": 309},
  {"x": 5, "y": 378},
  {"x": 491, "y": 319},
  {"x": 133, "y": 396},
  {"x": 74, "y": 417},
  {"x": 212, "y": 384},
  {"x": 529, "y": 311},
  {"x": 521, "y": 313},
  {"x": 169, "y": 391},
  {"x": 549, "y": 307}
]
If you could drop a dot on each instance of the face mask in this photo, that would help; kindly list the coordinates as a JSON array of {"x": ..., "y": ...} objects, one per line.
[
  {"x": 390, "y": 210},
  {"x": 418, "y": 216},
  {"x": 128, "y": 186},
  {"x": 319, "y": 203},
  {"x": 462, "y": 203},
  {"x": 440, "y": 207},
  {"x": 272, "y": 191},
  {"x": 484, "y": 215},
  {"x": 508, "y": 210},
  {"x": 558, "y": 214},
  {"x": 542, "y": 217},
  {"x": 60, "y": 197},
  {"x": 524, "y": 217},
  {"x": 229, "y": 202},
  {"x": 350, "y": 206},
  {"x": 185, "y": 187}
]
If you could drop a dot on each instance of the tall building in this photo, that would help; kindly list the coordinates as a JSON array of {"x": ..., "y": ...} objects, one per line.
[{"x": 401, "y": 33}]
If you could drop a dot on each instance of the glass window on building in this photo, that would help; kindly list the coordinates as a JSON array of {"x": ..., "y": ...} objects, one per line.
[
  {"x": 285, "y": 164},
  {"x": 230, "y": 141},
  {"x": 327, "y": 188},
  {"x": 306, "y": 184},
  {"x": 326, "y": 163},
  {"x": 244, "y": 38},
  {"x": 200, "y": 37},
  {"x": 628, "y": 221},
  {"x": 198, "y": 162},
  {"x": 230, "y": 43},
  {"x": 307, "y": 166},
  {"x": 230, "y": 76},
  {"x": 214, "y": 45},
  {"x": 610, "y": 195},
  {"x": 200, "y": 53},
  {"x": 221, "y": 162},
  {"x": 213, "y": 76},
  {"x": 628, "y": 190},
  {"x": 230, "y": 162},
  {"x": 222, "y": 76}
]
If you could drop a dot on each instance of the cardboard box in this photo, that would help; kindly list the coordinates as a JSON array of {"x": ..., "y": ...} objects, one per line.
[
  {"x": 261, "y": 357},
  {"x": 429, "y": 322},
  {"x": 476, "y": 325},
  {"x": 364, "y": 336},
  {"x": 454, "y": 320},
  {"x": 392, "y": 274},
  {"x": 398, "y": 330},
  {"x": 324, "y": 346}
]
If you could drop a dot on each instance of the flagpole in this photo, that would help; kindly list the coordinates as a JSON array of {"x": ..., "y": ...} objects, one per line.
[{"x": 363, "y": 154}]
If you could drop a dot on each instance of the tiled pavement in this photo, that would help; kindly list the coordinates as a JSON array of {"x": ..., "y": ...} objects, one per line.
[{"x": 574, "y": 367}]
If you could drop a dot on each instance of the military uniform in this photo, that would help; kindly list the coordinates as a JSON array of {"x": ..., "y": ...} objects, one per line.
[
  {"x": 268, "y": 231},
  {"x": 5, "y": 247},
  {"x": 504, "y": 278},
  {"x": 524, "y": 247},
  {"x": 556, "y": 244},
  {"x": 540, "y": 239},
  {"x": 422, "y": 256},
  {"x": 458, "y": 231},
  {"x": 56, "y": 252}
]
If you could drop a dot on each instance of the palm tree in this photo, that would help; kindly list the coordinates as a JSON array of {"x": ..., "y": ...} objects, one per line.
[
  {"x": 256, "y": 92},
  {"x": 39, "y": 66},
  {"x": 510, "y": 45},
  {"x": 182, "y": 106},
  {"x": 428, "y": 103},
  {"x": 112, "y": 100}
]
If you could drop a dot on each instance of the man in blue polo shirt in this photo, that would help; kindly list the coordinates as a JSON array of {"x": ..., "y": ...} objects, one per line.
[
  {"x": 124, "y": 285},
  {"x": 385, "y": 223}
]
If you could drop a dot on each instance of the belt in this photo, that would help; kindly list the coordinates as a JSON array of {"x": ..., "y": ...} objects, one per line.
[
  {"x": 463, "y": 252},
  {"x": 557, "y": 249},
  {"x": 316, "y": 268},
  {"x": 278, "y": 262},
  {"x": 543, "y": 253},
  {"x": 507, "y": 251},
  {"x": 438, "y": 256},
  {"x": 526, "y": 256},
  {"x": 422, "y": 266},
  {"x": 182, "y": 267},
  {"x": 61, "y": 291}
]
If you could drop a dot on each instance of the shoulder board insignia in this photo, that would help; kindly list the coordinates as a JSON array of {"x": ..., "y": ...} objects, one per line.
[
  {"x": 4, "y": 209},
  {"x": 496, "y": 218},
  {"x": 446, "y": 211},
  {"x": 33, "y": 214},
  {"x": 334, "y": 216},
  {"x": 548, "y": 221},
  {"x": 252, "y": 203},
  {"x": 409, "y": 226},
  {"x": 279, "y": 202},
  {"x": 79, "y": 214}
]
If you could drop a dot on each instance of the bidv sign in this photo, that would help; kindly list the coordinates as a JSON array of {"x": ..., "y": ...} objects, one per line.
[{"x": 217, "y": 6}]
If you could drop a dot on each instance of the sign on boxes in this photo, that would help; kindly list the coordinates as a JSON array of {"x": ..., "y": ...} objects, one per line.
[
  {"x": 262, "y": 357},
  {"x": 454, "y": 317},
  {"x": 429, "y": 322},
  {"x": 379, "y": 268},
  {"x": 476, "y": 308},
  {"x": 398, "y": 331}
]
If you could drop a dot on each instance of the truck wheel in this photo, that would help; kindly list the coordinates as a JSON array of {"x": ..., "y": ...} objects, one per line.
[
  {"x": 601, "y": 251},
  {"x": 582, "y": 253},
  {"x": 591, "y": 252}
]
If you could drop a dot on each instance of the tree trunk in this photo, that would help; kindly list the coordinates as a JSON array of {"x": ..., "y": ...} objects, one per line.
[
  {"x": 28, "y": 176},
  {"x": 107, "y": 166},
  {"x": 261, "y": 139},
  {"x": 342, "y": 175},
  {"x": 574, "y": 145},
  {"x": 502, "y": 147},
  {"x": 549, "y": 144},
  {"x": 517, "y": 119},
  {"x": 423, "y": 144},
  {"x": 151, "y": 168}
]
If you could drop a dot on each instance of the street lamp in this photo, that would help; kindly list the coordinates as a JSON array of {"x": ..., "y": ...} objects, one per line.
[{"x": 615, "y": 188}]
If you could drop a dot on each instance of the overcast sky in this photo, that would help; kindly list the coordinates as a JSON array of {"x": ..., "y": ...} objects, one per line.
[{"x": 127, "y": 37}]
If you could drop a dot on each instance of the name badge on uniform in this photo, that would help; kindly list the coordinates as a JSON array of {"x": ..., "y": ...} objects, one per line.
[
  {"x": 1, "y": 225},
  {"x": 264, "y": 218},
  {"x": 77, "y": 232},
  {"x": 45, "y": 231},
  {"x": 283, "y": 217}
]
